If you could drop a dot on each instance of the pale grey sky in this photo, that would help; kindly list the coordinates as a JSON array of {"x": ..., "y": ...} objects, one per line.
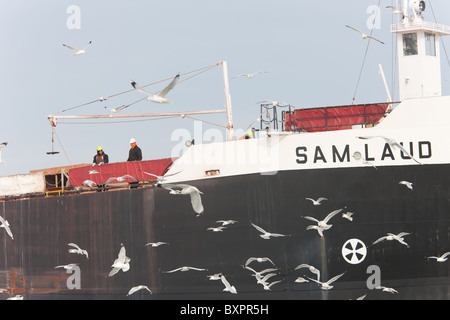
[{"x": 311, "y": 58}]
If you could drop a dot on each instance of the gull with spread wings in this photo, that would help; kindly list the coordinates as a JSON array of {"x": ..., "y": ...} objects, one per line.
[
  {"x": 78, "y": 51},
  {"x": 393, "y": 144},
  {"x": 77, "y": 250},
  {"x": 120, "y": 179},
  {"x": 155, "y": 244},
  {"x": 121, "y": 263},
  {"x": 69, "y": 266},
  {"x": 89, "y": 183},
  {"x": 310, "y": 268},
  {"x": 318, "y": 201},
  {"x": 186, "y": 189},
  {"x": 327, "y": 285},
  {"x": 322, "y": 224},
  {"x": 161, "y": 96},
  {"x": 363, "y": 35},
  {"x": 228, "y": 286},
  {"x": 5, "y": 225},
  {"x": 258, "y": 259},
  {"x": 442, "y": 258},
  {"x": 137, "y": 288},
  {"x": 266, "y": 235},
  {"x": 159, "y": 178},
  {"x": 184, "y": 269},
  {"x": 249, "y": 75},
  {"x": 391, "y": 236}
]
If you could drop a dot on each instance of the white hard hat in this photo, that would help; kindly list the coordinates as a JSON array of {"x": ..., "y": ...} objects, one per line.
[{"x": 132, "y": 140}]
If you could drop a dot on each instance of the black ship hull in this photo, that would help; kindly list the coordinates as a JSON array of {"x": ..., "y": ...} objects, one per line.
[{"x": 101, "y": 222}]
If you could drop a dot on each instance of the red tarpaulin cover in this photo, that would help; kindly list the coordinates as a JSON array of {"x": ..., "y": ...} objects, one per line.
[
  {"x": 334, "y": 118},
  {"x": 119, "y": 169}
]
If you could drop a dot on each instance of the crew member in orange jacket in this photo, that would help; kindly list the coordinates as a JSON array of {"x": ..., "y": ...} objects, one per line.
[{"x": 135, "y": 153}]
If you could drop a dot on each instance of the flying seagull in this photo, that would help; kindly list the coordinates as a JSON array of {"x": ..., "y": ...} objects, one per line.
[
  {"x": 393, "y": 144},
  {"x": 319, "y": 229},
  {"x": 323, "y": 224},
  {"x": 260, "y": 260},
  {"x": 161, "y": 96},
  {"x": 363, "y": 35},
  {"x": 156, "y": 244},
  {"x": 121, "y": 263},
  {"x": 268, "y": 285},
  {"x": 216, "y": 229},
  {"x": 327, "y": 285},
  {"x": 259, "y": 274},
  {"x": 386, "y": 289},
  {"x": 137, "y": 288},
  {"x": 318, "y": 201},
  {"x": 77, "y": 250},
  {"x": 186, "y": 189},
  {"x": 348, "y": 216},
  {"x": 185, "y": 268},
  {"x": 226, "y": 222},
  {"x": 391, "y": 236},
  {"x": 301, "y": 280},
  {"x": 2, "y": 145},
  {"x": 442, "y": 258},
  {"x": 69, "y": 266},
  {"x": 395, "y": 10},
  {"x": 250, "y": 75},
  {"x": 116, "y": 109},
  {"x": 228, "y": 287},
  {"x": 407, "y": 184},
  {"x": 120, "y": 179},
  {"x": 5, "y": 224},
  {"x": 263, "y": 280},
  {"x": 215, "y": 276},
  {"x": 159, "y": 178},
  {"x": 78, "y": 51},
  {"x": 89, "y": 183},
  {"x": 310, "y": 268},
  {"x": 266, "y": 235}
]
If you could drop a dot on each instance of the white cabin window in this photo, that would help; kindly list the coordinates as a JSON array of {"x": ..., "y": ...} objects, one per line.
[
  {"x": 430, "y": 44},
  {"x": 410, "y": 44}
]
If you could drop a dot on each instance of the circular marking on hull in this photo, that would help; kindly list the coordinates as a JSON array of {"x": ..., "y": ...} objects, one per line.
[{"x": 354, "y": 251}]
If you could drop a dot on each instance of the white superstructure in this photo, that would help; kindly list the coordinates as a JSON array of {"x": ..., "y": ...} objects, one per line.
[
  {"x": 418, "y": 52},
  {"x": 412, "y": 134}
]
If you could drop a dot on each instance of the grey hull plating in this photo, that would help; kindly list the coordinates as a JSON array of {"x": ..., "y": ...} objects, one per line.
[{"x": 101, "y": 221}]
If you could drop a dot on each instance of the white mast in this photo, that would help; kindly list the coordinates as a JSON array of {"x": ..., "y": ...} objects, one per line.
[
  {"x": 380, "y": 69},
  {"x": 405, "y": 11},
  {"x": 230, "y": 129}
]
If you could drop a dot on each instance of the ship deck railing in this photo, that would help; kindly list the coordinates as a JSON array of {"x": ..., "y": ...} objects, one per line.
[
  {"x": 335, "y": 117},
  {"x": 68, "y": 191},
  {"x": 421, "y": 25}
]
